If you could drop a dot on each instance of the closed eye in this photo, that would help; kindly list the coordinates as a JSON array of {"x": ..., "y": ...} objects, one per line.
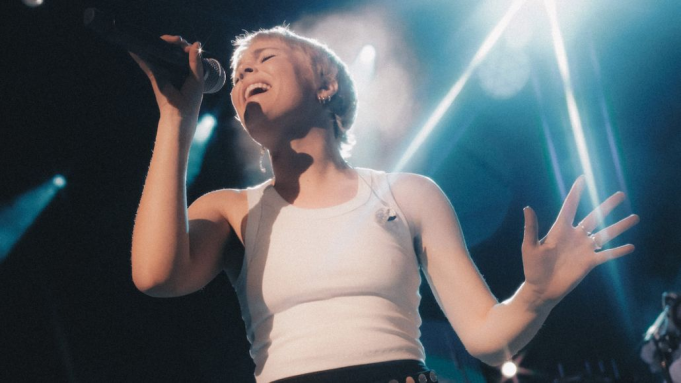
[{"x": 267, "y": 58}]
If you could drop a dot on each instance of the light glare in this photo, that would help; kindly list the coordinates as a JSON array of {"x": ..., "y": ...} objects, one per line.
[
  {"x": 33, "y": 3},
  {"x": 19, "y": 215},
  {"x": 367, "y": 54},
  {"x": 59, "y": 181},
  {"x": 509, "y": 369},
  {"x": 204, "y": 128},
  {"x": 573, "y": 111},
  {"x": 454, "y": 91}
]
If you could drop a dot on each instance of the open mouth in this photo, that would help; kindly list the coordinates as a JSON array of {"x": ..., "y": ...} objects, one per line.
[{"x": 255, "y": 89}]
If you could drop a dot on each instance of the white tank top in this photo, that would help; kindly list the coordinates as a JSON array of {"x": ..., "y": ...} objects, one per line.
[{"x": 331, "y": 287}]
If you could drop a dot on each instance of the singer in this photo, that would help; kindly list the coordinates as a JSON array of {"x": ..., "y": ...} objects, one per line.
[{"x": 324, "y": 257}]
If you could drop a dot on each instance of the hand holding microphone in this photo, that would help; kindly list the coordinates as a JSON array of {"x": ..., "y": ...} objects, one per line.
[
  {"x": 180, "y": 91},
  {"x": 178, "y": 73}
]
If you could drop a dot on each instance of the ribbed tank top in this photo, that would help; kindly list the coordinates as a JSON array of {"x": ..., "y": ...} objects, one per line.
[{"x": 331, "y": 287}]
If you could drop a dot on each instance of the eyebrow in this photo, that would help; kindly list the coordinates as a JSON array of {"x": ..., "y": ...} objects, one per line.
[
  {"x": 258, "y": 51},
  {"x": 255, "y": 53}
]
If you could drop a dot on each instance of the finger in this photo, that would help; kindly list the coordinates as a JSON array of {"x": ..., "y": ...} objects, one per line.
[
  {"x": 177, "y": 40},
  {"x": 606, "y": 255},
  {"x": 531, "y": 230},
  {"x": 569, "y": 209},
  {"x": 613, "y": 231},
  {"x": 148, "y": 69},
  {"x": 591, "y": 221},
  {"x": 195, "y": 62},
  {"x": 143, "y": 64}
]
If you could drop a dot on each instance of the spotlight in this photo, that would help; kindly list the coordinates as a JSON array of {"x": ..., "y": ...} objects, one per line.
[
  {"x": 509, "y": 369},
  {"x": 367, "y": 54},
  {"x": 456, "y": 88},
  {"x": 204, "y": 128},
  {"x": 17, "y": 216},
  {"x": 33, "y": 3},
  {"x": 59, "y": 181}
]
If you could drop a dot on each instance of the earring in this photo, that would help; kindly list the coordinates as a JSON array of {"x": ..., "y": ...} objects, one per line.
[
  {"x": 262, "y": 160},
  {"x": 323, "y": 100}
]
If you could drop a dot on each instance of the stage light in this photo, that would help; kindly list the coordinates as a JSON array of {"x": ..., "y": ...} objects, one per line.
[
  {"x": 363, "y": 69},
  {"x": 614, "y": 150},
  {"x": 551, "y": 144},
  {"x": 367, "y": 54},
  {"x": 573, "y": 110},
  {"x": 455, "y": 90},
  {"x": 59, "y": 181},
  {"x": 33, "y": 3},
  {"x": 20, "y": 214},
  {"x": 204, "y": 129},
  {"x": 509, "y": 369},
  {"x": 504, "y": 72},
  {"x": 370, "y": 40},
  {"x": 582, "y": 149}
]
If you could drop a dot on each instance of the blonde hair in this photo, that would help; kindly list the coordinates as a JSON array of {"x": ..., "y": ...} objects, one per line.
[{"x": 327, "y": 65}]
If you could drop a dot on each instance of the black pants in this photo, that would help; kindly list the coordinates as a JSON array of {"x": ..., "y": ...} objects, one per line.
[{"x": 383, "y": 372}]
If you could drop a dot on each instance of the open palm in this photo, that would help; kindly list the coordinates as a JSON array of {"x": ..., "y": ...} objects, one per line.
[{"x": 555, "y": 264}]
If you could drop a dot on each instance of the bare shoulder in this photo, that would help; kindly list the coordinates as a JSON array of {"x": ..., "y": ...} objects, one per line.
[
  {"x": 417, "y": 195},
  {"x": 228, "y": 204},
  {"x": 410, "y": 186},
  {"x": 218, "y": 199}
]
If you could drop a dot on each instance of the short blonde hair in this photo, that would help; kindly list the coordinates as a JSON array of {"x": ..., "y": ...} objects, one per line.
[{"x": 326, "y": 64}]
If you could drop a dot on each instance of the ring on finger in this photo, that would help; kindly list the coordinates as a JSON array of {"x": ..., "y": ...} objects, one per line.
[
  {"x": 597, "y": 246},
  {"x": 587, "y": 232}
]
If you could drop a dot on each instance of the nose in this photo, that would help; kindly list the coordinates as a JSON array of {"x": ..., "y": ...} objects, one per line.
[{"x": 245, "y": 69}]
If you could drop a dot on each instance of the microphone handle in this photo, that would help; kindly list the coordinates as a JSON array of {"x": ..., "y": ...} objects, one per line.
[{"x": 155, "y": 51}]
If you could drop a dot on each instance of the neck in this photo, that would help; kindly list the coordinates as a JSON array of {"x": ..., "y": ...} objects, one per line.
[{"x": 310, "y": 170}]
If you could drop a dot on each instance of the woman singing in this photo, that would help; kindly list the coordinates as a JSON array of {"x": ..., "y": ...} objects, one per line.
[{"x": 324, "y": 257}]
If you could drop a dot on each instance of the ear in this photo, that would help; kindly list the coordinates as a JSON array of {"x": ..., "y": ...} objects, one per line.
[{"x": 328, "y": 89}]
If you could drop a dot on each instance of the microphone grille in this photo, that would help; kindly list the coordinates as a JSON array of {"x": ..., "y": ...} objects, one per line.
[{"x": 214, "y": 76}]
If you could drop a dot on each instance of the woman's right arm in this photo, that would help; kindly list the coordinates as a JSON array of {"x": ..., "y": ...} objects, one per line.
[{"x": 166, "y": 259}]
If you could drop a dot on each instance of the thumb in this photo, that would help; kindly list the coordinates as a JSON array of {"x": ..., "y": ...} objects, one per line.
[{"x": 530, "y": 236}]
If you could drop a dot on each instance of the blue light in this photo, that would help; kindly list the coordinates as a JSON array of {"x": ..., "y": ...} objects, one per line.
[
  {"x": 456, "y": 88},
  {"x": 204, "y": 128},
  {"x": 59, "y": 181},
  {"x": 19, "y": 215}
]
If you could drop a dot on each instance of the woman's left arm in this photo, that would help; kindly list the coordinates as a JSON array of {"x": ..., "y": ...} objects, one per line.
[{"x": 553, "y": 266}]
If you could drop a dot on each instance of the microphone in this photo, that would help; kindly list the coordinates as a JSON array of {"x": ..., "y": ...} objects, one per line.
[
  {"x": 156, "y": 51},
  {"x": 657, "y": 325}
]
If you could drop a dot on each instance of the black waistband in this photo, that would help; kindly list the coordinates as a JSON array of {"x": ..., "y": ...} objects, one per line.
[{"x": 367, "y": 373}]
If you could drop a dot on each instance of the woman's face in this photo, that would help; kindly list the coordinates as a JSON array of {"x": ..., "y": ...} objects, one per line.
[{"x": 274, "y": 90}]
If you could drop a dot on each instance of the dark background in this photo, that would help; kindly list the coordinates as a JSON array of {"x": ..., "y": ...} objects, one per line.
[{"x": 74, "y": 105}]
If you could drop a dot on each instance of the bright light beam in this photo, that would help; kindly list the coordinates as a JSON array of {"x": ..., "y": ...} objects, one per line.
[
  {"x": 608, "y": 127},
  {"x": 17, "y": 217},
  {"x": 454, "y": 91},
  {"x": 582, "y": 150},
  {"x": 204, "y": 130},
  {"x": 555, "y": 164},
  {"x": 573, "y": 111}
]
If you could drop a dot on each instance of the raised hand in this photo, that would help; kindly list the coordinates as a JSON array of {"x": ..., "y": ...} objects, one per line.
[
  {"x": 555, "y": 264},
  {"x": 186, "y": 100}
]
